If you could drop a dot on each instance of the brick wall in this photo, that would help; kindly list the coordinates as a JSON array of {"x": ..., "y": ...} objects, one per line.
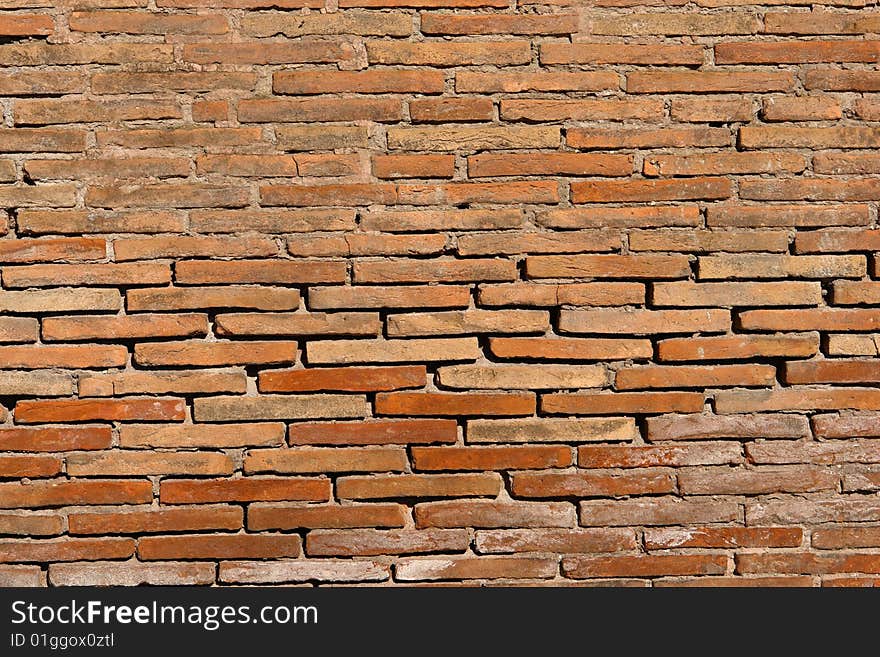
[{"x": 405, "y": 291}]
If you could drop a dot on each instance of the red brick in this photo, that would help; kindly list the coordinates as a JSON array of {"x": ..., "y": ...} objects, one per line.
[
  {"x": 695, "y": 376},
  {"x": 723, "y": 537},
  {"x": 645, "y": 566},
  {"x": 133, "y": 22},
  {"x": 603, "y": 53},
  {"x": 249, "y": 489},
  {"x": 29, "y": 466},
  {"x": 719, "y": 453},
  {"x": 373, "y": 542},
  {"x": 622, "y": 403},
  {"x": 262, "y": 517},
  {"x": 744, "y": 427}
]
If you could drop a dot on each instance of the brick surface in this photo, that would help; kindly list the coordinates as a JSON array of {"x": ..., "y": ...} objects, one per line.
[{"x": 433, "y": 292}]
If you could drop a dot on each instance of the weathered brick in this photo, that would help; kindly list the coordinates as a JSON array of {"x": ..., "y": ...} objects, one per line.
[
  {"x": 374, "y": 292},
  {"x": 602, "y": 53},
  {"x": 485, "y": 514},
  {"x": 452, "y": 53},
  {"x": 791, "y": 510},
  {"x": 387, "y": 351},
  {"x": 641, "y": 191},
  {"x": 759, "y": 481},
  {"x": 378, "y": 432},
  {"x": 562, "y": 541},
  {"x": 518, "y": 457},
  {"x": 806, "y": 562},
  {"x": 703, "y": 241},
  {"x": 455, "y": 404},
  {"x": 298, "y": 570},
  {"x": 372, "y": 542},
  {"x": 708, "y": 82},
  {"x": 416, "y": 569},
  {"x": 643, "y": 322},
  {"x": 645, "y": 566},
  {"x": 588, "y": 484},
  {"x": 278, "y": 407},
  {"x": 201, "y": 435},
  {"x": 686, "y": 293},
  {"x": 468, "y": 322},
  {"x": 732, "y": 348},
  {"x": 846, "y": 426},
  {"x": 201, "y": 298},
  {"x": 343, "y": 379},
  {"x": 801, "y": 216},
  {"x": 723, "y": 537},
  {"x": 114, "y": 463},
  {"x": 743, "y": 427},
  {"x": 552, "y": 294},
  {"x": 250, "y": 489},
  {"x": 622, "y": 402},
  {"x": 70, "y": 492},
  {"x": 798, "y": 398},
  {"x": 213, "y": 354},
  {"x": 546, "y": 430},
  {"x": 714, "y": 453},
  {"x": 418, "y": 485},
  {"x": 326, "y": 460},
  {"x": 826, "y": 452}
]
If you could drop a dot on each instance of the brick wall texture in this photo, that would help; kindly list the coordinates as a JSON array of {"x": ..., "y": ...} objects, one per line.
[{"x": 394, "y": 292}]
